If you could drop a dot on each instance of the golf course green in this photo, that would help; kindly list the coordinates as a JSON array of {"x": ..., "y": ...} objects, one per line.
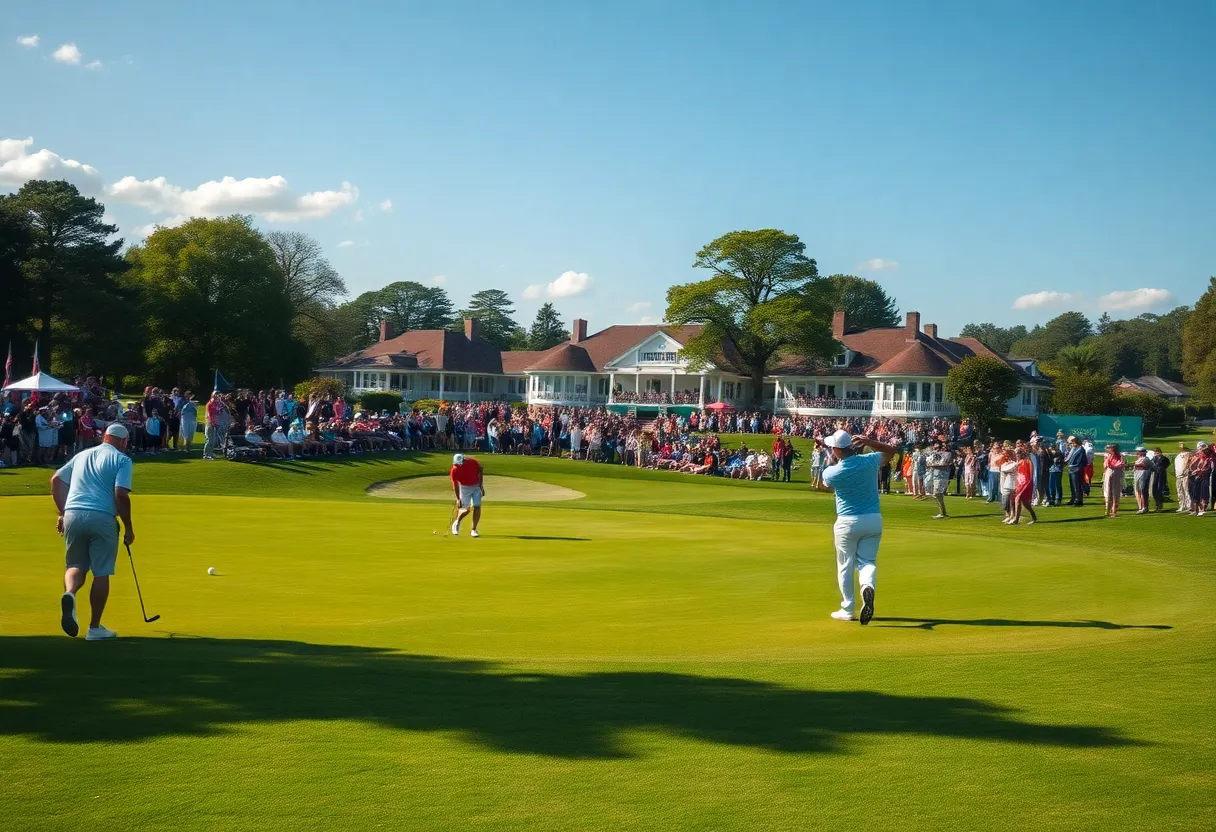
[{"x": 654, "y": 654}]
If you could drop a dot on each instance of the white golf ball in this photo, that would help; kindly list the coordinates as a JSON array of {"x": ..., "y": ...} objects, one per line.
[
  {"x": 434, "y": 531},
  {"x": 211, "y": 570}
]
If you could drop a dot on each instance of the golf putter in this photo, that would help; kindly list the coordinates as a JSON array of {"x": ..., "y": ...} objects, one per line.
[{"x": 137, "y": 592}]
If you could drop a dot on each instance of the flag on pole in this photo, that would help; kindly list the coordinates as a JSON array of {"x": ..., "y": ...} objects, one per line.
[
  {"x": 37, "y": 369},
  {"x": 221, "y": 383},
  {"x": 8, "y": 366}
]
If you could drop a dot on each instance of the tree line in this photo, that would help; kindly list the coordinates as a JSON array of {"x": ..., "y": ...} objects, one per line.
[
  {"x": 1084, "y": 358},
  {"x": 263, "y": 308}
]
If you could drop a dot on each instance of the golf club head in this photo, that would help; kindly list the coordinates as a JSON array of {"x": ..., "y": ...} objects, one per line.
[{"x": 153, "y": 618}]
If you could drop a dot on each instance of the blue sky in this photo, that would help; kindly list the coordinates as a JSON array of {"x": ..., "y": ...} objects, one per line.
[{"x": 964, "y": 154}]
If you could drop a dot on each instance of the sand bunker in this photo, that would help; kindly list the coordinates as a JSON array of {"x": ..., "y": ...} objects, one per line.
[{"x": 498, "y": 489}]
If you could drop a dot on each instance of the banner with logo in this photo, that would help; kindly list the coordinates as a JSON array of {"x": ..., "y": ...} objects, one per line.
[{"x": 1125, "y": 431}]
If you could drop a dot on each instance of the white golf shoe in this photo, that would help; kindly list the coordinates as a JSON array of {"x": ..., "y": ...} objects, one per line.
[
  {"x": 842, "y": 615},
  {"x": 455, "y": 530},
  {"x": 100, "y": 634},
  {"x": 474, "y": 533}
]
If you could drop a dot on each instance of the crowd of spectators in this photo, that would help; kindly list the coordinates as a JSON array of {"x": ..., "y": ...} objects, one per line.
[{"x": 245, "y": 424}]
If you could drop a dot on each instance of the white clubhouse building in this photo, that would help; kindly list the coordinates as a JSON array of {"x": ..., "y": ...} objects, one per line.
[{"x": 898, "y": 371}]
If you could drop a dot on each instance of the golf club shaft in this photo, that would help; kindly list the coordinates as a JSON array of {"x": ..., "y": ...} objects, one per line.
[{"x": 140, "y": 594}]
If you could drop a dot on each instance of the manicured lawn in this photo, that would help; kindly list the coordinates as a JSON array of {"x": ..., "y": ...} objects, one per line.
[{"x": 654, "y": 655}]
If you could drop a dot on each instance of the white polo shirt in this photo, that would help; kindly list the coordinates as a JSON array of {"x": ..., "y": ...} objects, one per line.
[{"x": 92, "y": 476}]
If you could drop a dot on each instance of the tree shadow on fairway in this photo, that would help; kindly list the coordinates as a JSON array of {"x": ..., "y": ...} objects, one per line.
[
  {"x": 60, "y": 690},
  {"x": 531, "y": 537},
  {"x": 931, "y": 623}
]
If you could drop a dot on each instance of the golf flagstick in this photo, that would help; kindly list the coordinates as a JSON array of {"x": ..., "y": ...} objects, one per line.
[{"x": 137, "y": 592}]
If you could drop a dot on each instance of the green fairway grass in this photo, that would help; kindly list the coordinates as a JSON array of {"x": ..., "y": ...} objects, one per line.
[{"x": 656, "y": 654}]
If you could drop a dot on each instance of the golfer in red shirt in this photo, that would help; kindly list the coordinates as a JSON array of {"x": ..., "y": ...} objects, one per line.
[{"x": 469, "y": 487}]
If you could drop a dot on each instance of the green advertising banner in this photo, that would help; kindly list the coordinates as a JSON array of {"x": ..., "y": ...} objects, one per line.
[{"x": 1125, "y": 431}]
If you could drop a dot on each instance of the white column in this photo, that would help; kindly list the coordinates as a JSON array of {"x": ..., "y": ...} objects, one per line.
[
  {"x": 718, "y": 397},
  {"x": 701, "y": 395},
  {"x": 440, "y": 385},
  {"x": 611, "y": 386},
  {"x": 673, "y": 387},
  {"x": 776, "y": 392},
  {"x": 468, "y": 393}
]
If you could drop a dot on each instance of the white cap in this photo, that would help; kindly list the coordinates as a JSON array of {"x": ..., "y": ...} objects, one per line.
[
  {"x": 458, "y": 459},
  {"x": 117, "y": 431},
  {"x": 840, "y": 440}
]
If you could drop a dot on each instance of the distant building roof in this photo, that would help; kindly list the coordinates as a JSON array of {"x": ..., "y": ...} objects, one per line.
[
  {"x": 565, "y": 358},
  {"x": 1156, "y": 385}
]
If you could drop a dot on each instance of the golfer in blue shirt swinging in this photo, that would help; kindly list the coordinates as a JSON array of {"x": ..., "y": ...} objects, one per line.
[{"x": 858, "y": 530}]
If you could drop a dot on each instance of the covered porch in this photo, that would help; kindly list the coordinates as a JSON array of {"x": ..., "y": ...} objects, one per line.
[
  {"x": 822, "y": 396},
  {"x": 912, "y": 398},
  {"x": 673, "y": 388}
]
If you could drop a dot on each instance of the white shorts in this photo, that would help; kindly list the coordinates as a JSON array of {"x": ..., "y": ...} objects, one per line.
[{"x": 470, "y": 496}]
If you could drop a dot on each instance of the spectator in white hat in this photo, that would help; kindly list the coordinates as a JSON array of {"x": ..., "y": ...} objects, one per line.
[{"x": 858, "y": 531}]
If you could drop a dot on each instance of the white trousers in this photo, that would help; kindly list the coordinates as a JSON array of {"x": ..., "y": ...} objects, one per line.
[
  {"x": 857, "y": 540},
  {"x": 1182, "y": 493}
]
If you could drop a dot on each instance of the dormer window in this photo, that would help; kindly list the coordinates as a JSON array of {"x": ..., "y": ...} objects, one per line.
[{"x": 842, "y": 359}]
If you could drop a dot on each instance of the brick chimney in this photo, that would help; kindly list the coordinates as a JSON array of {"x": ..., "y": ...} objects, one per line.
[
  {"x": 579, "y": 333},
  {"x": 386, "y": 330},
  {"x": 472, "y": 329},
  {"x": 913, "y": 325},
  {"x": 839, "y": 323},
  {"x": 931, "y": 330}
]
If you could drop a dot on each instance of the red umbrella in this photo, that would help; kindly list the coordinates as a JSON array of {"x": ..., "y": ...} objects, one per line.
[{"x": 720, "y": 407}]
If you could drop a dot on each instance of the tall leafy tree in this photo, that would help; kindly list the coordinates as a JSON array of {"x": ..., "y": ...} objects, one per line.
[
  {"x": 1085, "y": 394},
  {"x": 1199, "y": 345},
  {"x": 494, "y": 312},
  {"x": 981, "y": 386},
  {"x": 72, "y": 265},
  {"x": 1145, "y": 345},
  {"x": 764, "y": 298},
  {"x": 215, "y": 298},
  {"x": 866, "y": 304},
  {"x": 16, "y": 239},
  {"x": 547, "y": 330},
  {"x": 1085, "y": 357},
  {"x": 998, "y": 338},
  {"x": 314, "y": 288},
  {"x": 1045, "y": 342},
  {"x": 406, "y": 304}
]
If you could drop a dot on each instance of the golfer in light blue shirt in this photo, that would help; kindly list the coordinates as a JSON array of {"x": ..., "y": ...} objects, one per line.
[
  {"x": 858, "y": 530},
  {"x": 90, "y": 491}
]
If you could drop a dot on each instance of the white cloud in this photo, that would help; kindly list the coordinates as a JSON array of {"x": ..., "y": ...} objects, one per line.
[
  {"x": 648, "y": 320},
  {"x": 28, "y": 41},
  {"x": 358, "y": 215},
  {"x": 569, "y": 285},
  {"x": 877, "y": 264},
  {"x": 1041, "y": 300},
  {"x": 67, "y": 54},
  {"x": 1134, "y": 299},
  {"x": 386, "y": 206},
  {"x": 639, "y": 306},
  {"x": 269, "y": 197},
  {"x": 18, "y": 166},
  {"x": 437, "y": 280},
  {"x": 346, "y": 244},
  {"x": 93, "y": 65}
]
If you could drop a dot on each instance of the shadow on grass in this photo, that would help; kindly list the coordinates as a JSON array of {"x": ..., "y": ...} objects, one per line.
[
  {"x": 931, "y": 623},
  {"x": 56, "y": 689},
  {"x": 532, "y": 537}
]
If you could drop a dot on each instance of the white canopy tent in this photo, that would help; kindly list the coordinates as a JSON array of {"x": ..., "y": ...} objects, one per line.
[{"x": 42, "y": 383}]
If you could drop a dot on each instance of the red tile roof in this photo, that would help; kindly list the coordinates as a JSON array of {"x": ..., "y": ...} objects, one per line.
[
  {"x": 565, "y": 358},
  {"x": 915, "y": 359}
]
